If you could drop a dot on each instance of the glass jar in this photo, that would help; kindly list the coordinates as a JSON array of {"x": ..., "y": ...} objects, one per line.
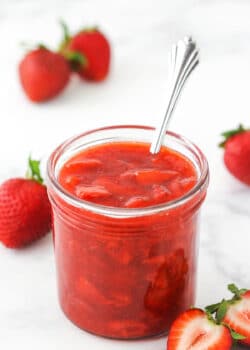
[{"x": 125, "y": 273}]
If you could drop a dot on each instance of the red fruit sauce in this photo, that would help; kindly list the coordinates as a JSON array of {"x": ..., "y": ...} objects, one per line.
[
  {"x": 127, "y": 175},
  {"x": 126, "y": 277}
]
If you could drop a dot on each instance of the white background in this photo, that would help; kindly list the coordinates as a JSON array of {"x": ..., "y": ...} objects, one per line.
[{"x": 216, "y": 99}]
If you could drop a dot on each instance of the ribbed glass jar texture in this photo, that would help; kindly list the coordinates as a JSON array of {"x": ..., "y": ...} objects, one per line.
[{"x": 125, "y": 273}]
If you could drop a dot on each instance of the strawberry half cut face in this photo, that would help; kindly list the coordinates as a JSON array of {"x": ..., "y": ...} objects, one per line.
[{"x": 192, "y": 330}]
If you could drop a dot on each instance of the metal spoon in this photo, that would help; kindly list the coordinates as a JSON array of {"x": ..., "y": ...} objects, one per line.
[{"x": 184, "y": 57}]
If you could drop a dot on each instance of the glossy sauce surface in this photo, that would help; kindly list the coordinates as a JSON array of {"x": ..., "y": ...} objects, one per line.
[{"x": 127, "y": 175}]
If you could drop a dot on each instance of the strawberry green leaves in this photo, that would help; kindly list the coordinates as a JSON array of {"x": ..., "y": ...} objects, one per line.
[
  {"x": 211, "y": 309},
  {"x": 227, "y": 134},
  {"x": 236, "y": 291},
  {"x": 66, "y": 33},
  {"x": 218, "y": 309},
  {"x": 33, "y": 171},
  {"x": 236, "y": 336},
  {"x": 221, "y": 311}
]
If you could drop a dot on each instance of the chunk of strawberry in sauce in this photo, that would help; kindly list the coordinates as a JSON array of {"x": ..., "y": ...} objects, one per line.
[
  {"x": 149, "y": 176},
  {"x": 89, "y": 291},
  {"x": 91, "y": 192},
  {"x": 136, "y": 202},
  {"x": 110, "y": 185},
  {"x": 79, "y": 165},
  {"x": 125, "y": 175},
  {"x": 168, "y": 283},
  {"x": 160, "y": 193},
  {"x": 119, "y": 252},
  {"x": 154, "y": 176},
  {"x": 127, "y": 328},
  {"x": 119, "y": 299},
  {"x": 72, "y": 180}
]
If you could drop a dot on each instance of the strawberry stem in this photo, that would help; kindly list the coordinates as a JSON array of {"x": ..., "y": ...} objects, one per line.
[
  {"x": 63, "y": 47},
  {"x": 33, "y": 171},
  {"x": 76, "y": 60},
  {"x": 236, "y": 291},
  {"x": 89, "y": 29},
  {"x": 42, "y": 46},
  {"x": 230, "y": 133},
  {"x": 66, "y": 33}
]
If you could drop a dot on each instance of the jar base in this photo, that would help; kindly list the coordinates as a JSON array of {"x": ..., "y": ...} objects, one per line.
[{"x": 100, "y": 334}]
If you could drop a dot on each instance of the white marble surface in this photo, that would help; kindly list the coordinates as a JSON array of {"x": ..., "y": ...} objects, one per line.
[{"x": 217, "y": 98}]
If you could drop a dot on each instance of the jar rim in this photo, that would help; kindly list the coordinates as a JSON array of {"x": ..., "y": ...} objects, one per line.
[{"x": 119, "y": 212}]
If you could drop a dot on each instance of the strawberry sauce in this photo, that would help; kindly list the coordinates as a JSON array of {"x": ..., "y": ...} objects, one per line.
[
  {"x": 126, "y": 277},
  {"x": 127, "y": 175}
]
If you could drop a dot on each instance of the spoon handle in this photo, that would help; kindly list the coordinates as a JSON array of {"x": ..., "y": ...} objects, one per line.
[{"x": 183, "y": 59}]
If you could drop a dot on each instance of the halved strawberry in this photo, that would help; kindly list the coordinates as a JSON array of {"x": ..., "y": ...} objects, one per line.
[
  {"x": 237, "y": 316},
  {"x": 196, "y": 330}
]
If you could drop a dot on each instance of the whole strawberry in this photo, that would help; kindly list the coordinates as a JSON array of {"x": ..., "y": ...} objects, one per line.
[
  {"x": 25, "y": 213},
  {"x": 43, "y": 74},
  {"x": 237, "y": 153},
  {"x": 89, "y": 53}
]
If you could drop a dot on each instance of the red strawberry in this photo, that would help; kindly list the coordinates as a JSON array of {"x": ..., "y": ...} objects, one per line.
[
  {"x": 43, "y": 74},
  {"x": 194, "y": 329},
  {"x": 24, "y": 209},
  {"x": 237, "y": 315},
  {"x": 237, "y": 153},
  {"x": 89, "y": 51}
]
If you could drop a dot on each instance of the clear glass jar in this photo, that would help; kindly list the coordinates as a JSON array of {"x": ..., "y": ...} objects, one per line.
[{"x": 125, "y": 273}]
